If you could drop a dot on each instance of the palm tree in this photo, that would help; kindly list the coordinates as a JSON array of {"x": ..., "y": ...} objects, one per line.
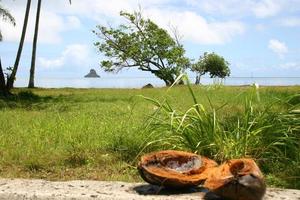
[
  {"x": 34, "y": 46},
  {"x": 11, "y": 78},
  {"x": 36, "y": 32},
  {"x": 6, "y": 16},
  {"x": 2, "y": 80}
]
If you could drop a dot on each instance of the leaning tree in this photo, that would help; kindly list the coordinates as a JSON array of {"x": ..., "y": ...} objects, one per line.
[
  {"x": 5, "y": 16},
  {"x": 211, "y": 63},
  {"x": 141, "y": 44},
  {"x": 11, "y": 78}
]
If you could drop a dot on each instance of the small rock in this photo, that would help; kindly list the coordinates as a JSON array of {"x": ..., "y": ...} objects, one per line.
[{"x": 149, "y": 85}]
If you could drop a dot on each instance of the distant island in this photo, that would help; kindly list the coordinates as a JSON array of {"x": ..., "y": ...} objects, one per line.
[{"x": 92, "y": 74}]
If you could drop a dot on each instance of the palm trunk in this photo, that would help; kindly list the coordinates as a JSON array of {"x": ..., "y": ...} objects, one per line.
[
  {"x": 11, "y": 78},
  {"x": 2, "y": 81},
  {"x": 33, "y": 58}
]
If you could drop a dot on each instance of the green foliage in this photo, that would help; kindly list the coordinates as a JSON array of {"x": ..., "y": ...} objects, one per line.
[
  {"x": 142, "y": 44},
  {"x": 67, "y": 134},
  {"x": 258, "y": 131},
  {"x": 213, "y": 64}
]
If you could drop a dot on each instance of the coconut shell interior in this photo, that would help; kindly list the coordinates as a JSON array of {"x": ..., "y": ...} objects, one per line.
[
  {"x": 237, "y": 179},
  {"x": 174, "y": 168}
]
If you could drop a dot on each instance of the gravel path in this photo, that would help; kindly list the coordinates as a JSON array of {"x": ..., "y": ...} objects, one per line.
[{"x": 16, "y": 189}]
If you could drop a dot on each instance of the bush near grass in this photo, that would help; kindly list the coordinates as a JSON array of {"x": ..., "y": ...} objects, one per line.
[{"x": 269, "y": 133}]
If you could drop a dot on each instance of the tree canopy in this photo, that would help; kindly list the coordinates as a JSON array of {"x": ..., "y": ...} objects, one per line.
[
  {"x": 211, "y": 63},
  {"x": 142, "y": 44}
]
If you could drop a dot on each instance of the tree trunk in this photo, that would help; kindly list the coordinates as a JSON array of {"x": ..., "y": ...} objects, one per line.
[
  {"x": 33, "y": 58},
  {"x": 198, "y": 79},
  {"x": 167, "y": 78},
  {"x": 2, "y": 81},
  {"x": 11, "y": 78},
  {"x": 167, "y": 82}
]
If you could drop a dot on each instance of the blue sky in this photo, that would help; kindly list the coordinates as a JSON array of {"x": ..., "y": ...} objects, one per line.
[{"x": 258, "y": 38}]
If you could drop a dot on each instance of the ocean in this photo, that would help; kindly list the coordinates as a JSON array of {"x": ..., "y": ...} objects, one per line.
[{"x": 138, "y": 82}]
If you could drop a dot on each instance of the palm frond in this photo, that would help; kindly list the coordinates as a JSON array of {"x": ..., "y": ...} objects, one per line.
[{"x": 6, "y": 16}]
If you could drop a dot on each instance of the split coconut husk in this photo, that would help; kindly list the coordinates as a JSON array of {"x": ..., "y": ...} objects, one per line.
[
  {"x": 175, "y": 169},
  {"x": 238, "y": 179}
]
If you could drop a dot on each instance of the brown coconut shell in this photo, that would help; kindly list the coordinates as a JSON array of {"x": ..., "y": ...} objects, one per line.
[
  {"x": 175, "y": 169},
  {"x": 239, "y": 179}
]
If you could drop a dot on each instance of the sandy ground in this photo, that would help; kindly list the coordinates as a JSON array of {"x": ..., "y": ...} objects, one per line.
[{"x": 72, "y": 190}]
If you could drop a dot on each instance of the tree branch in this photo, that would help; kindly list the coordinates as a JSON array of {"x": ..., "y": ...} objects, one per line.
[{"x": 151, "y": 47}]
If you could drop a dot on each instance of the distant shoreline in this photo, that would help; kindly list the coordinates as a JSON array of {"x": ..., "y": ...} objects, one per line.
[
  {"x": 124, "y": 88},
  {"x": 134, "y": 82}
]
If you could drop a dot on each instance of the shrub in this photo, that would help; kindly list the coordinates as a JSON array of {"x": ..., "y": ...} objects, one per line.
[{"x": 259, "y": 131}]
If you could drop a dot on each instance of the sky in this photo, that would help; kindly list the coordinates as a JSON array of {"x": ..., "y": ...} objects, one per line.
[{"x": 257, "y": 37}]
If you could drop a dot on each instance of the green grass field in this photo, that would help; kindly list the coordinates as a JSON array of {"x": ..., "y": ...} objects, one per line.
[{"x": 64, "y": 134}]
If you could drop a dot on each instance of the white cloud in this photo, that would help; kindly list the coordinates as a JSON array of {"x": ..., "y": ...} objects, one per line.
[
  {"x": 50, "y": 29},
  {"x": 290, "y": 21},
  {"x": 266, "y": 8},
  {"x": 72, "y": 22},
  {"x": 195, "y": 28},
  {"x": 225, "y": 7},
  {"x": 53, "y": 25},
  {"x": 75, "y": 54},
  {"x": 59, "y": 17},
  {"x": 98, "y": 10},
  {"x": 278, "y": 47},
  {"x": 55, "y": 63},
  {"x": 238, "y": 9}
]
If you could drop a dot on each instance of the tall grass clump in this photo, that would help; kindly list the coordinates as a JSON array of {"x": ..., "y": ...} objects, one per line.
[{"x": 260, "y": 131}]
